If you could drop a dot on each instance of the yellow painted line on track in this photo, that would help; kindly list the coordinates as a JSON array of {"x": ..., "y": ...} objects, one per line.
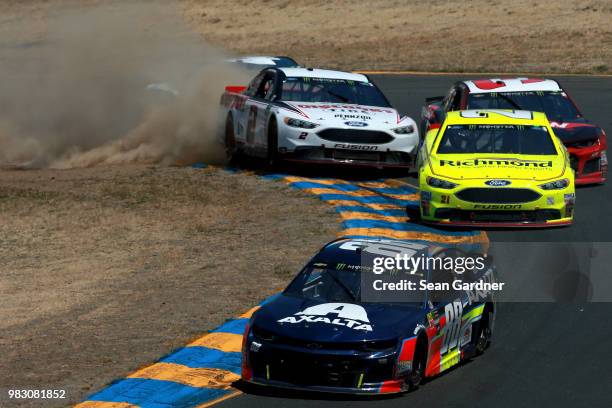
[
  {"x": 387, "y": 183},
  {"x": 220, "y": 399},
  {"x": 384, "y": 184},
  {"x": 228, "y": 342},
  {"x": 104, "y": 404},
  {"x": 410, "y": 235},
  {"x": 365, "y": 184},
  {"x": 361, "y": 193},
  {"x": 295, "y": 179},
  {"x": 492, "y": 74},
  {"x": 194, "y": 377},
  {"x": 321, "y": 190},
  {"x": 249, "y": 313},
  {"x": 409, "y": 197},
  {"x": 369, "y": 205},
  {"x": 351, "y": 215}
]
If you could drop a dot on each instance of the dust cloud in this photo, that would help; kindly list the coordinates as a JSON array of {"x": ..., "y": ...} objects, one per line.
[{"x": 78, "y": 95}]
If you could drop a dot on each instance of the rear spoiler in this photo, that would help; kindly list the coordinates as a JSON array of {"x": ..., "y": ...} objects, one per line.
[
  {"x": 235, "y": 89},
  {"x": 434, "y": 99}
]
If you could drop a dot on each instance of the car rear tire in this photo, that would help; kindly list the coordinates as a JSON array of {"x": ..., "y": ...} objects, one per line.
[{"x": 272, "y": 156}]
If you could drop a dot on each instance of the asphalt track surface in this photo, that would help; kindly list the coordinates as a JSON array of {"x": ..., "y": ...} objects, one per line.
[{"x": 546, "y": 354}]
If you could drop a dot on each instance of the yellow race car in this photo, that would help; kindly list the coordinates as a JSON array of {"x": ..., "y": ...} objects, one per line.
[{"x": 495, "y": 168}]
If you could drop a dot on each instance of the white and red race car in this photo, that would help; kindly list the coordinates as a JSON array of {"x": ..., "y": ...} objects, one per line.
[{"x": 315, "y": 115}]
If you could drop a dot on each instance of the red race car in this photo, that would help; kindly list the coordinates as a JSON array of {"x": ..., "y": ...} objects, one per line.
[{"x": 585, "y": 141}]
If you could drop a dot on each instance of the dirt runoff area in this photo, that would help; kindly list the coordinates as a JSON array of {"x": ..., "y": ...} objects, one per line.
[
  {"x": 564, "y": 36},
  {"x": 107, "y": 269}
]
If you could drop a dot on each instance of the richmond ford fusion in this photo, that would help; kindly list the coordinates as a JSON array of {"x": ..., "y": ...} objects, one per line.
[{"x": 495, "y": 168}]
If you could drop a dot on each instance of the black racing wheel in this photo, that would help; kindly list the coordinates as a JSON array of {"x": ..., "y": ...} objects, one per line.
[{"x": 418, "y": 364}]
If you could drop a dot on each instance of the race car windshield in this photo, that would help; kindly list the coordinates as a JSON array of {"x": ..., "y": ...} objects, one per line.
[
  {"x": 556, "y": 105},
  {"x": 341, "y": 284},
  {"x": 305, "y": 89},
  {"x": 503, "y": 139}
]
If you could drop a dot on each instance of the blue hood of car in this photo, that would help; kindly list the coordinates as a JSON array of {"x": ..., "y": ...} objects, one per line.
[{"x": 315, "y": 321}]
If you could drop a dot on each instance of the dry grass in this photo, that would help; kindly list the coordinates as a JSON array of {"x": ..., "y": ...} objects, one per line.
[
  {"x": 106, "y": 269},
  {"x": 445, "y": 35}
]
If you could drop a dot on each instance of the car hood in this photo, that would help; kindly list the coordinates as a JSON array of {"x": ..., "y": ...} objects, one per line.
[
  {"x": 503, "y": 166},
  {"x": 349, "y": 115},
  {"x": 570, "y": 133},
  {"x": 308, "y": 320}
]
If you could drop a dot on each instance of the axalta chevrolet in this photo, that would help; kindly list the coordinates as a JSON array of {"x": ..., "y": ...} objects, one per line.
[
  {"x": 327, "y": 332},
  {"x": 495, "y": 167}
]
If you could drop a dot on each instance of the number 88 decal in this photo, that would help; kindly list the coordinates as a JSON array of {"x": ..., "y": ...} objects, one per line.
[{"x": 453, "y": 312}]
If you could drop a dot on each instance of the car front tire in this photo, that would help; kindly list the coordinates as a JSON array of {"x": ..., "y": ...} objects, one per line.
[{"x": 418, "y": 364}]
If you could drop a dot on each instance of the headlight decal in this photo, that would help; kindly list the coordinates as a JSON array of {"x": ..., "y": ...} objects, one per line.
[
  {"x": 404, "y": 130},
  {"x": 298, "y": 123},
  {"x": 439, "y": 183},
  {"x": 555, "y": 185}
]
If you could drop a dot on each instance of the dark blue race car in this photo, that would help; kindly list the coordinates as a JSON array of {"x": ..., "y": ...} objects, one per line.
[{"x": 329, "y": 331}]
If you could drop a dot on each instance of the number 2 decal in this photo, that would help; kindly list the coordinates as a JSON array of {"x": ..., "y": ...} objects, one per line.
[{"x": 453, "y": 312}]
